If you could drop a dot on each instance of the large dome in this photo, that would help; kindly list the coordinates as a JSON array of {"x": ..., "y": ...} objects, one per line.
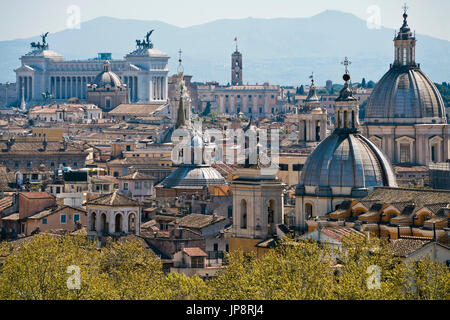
[
  {"x": 348, "y": 161},
  {"x": 405, "y": 95},
  {"x": 107, "y": 78}
]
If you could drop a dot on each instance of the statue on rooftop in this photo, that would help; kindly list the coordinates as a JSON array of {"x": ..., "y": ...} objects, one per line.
[
  {"x": 38, "y": 45},
  {"x": 145, "y": 43}
]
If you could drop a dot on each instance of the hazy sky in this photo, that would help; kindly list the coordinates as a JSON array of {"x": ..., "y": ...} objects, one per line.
[{"x": 20, "y": 18}]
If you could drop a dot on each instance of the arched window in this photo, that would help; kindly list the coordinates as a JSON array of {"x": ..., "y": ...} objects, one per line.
[
  {"x": 433, "y": 153},
  {"x": 317, "y": 130},
  {"x": 132, "y": 223},
  {"x": 104, "y": 228},
  {"x": 93, "y": 222},
  {"x": 118, "y": 221},
  {"x": 308, "y": 211},
  {"x": 243, "y": 214},
  {"x": 108, "y": 103},
  {"x": 271, "y": 216}
]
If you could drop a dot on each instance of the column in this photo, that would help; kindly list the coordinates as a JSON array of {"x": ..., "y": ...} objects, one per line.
[
  {"x": 323, "y": 129},
  {"x": 165, "y": 90},
  {"x": 77, "y": 86},
  {"x": 157, "y": 89},
  {"x": 160, "y": 88},
  {"x": 67, "y": 88},
  {"x": 130, "y": 88},
  {"x": 161, "y": 94},
  {"x": 136, "y": 89},
  {"x": 28, "y": 89},
  {"x": 301, "y": 130}
]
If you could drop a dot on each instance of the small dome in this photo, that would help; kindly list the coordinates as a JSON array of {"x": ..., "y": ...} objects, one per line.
[
  {"x": 347, "y": 160},
  {"x": 194, "y": 176},
  {"x": 405, "y": 95},
  {"x": 107, "y": 77}
]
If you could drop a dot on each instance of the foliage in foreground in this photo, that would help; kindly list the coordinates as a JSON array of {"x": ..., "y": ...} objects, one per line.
[{"x": 37, "y": 270}]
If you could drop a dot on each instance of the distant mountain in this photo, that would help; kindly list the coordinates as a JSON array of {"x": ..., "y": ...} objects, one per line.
[{"x": 280, "y": 51}]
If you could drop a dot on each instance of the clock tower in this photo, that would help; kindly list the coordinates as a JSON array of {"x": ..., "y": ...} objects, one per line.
[{"x": 236, "y": 68}]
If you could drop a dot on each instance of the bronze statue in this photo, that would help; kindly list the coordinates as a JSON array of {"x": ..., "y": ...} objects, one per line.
[
  {"x": 145, "y": 43},
  {"x": 38, "y": 45},
  {"x": 147, "y": 37},
  {"x": 44, "y": 39}
]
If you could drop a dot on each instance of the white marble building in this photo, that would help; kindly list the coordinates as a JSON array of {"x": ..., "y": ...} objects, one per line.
[{"x": 144, "y": 71}]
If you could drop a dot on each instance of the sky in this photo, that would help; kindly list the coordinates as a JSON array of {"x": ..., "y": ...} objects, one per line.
[{"x": 26, "y": 18}]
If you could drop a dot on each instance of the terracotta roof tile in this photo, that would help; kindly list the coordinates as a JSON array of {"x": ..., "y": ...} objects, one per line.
[{"x": 195, "y": 252}]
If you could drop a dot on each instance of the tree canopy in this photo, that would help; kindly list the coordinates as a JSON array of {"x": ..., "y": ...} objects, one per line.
[{"x": 42, "y": 268}]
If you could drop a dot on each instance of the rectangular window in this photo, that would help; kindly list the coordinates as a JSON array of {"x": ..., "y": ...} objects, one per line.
[
  {"x": 76, "y": 218},
  {"x": 284, "y": 167},
  {"x": 405, "y": 156},
  {"x": 298, "y": 167},
  {"x": 125, "y": 186},
  {"x": 137, "y": 185},
  {"x": 147, "y": 185},
  {"x": 44, "y": 221},
  {"x": 63, "y": 219}
]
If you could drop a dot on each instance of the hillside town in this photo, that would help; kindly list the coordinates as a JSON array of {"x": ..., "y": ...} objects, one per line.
[{"x": 92, "y": 148}]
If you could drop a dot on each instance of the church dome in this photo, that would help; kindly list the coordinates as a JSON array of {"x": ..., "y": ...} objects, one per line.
[
  {"x": 107, "y": 78},
  {"x": 405, "y": 95},
  {"x": 347, "y": 160},
  {"x": 193, "y": 176},
  {"x": 345, "y": 163}
]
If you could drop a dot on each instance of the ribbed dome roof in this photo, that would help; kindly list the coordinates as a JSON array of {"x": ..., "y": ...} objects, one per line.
[
  {"x": 347, "y": 160},
  {"x": 405, "y": 95},
  {"x": 107, "y": 77},
  {"x": 194, "y": 176}
]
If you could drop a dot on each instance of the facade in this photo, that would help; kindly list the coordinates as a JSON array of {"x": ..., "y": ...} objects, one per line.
[
  {"x": 113, "y": 214},
  {"x": 344, "y": 166},
  {"x": 75, "y": 113},
  {"x": 405, "y": 115},
  {"x": 257, "y": 209},
  {"x": 17, "y": 155},
  {"x": 144, "y": 71},
  {"x": 57, "y": 218},
  {"x": 255, "y": 101},
  {"x": 137, "y": 185}
]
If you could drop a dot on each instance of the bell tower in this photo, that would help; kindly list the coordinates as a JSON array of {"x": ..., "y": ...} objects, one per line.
[{"x": 236, "y": 67}]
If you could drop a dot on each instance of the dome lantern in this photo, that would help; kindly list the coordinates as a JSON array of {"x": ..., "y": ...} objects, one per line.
[{"x": 346, "y": 105}]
